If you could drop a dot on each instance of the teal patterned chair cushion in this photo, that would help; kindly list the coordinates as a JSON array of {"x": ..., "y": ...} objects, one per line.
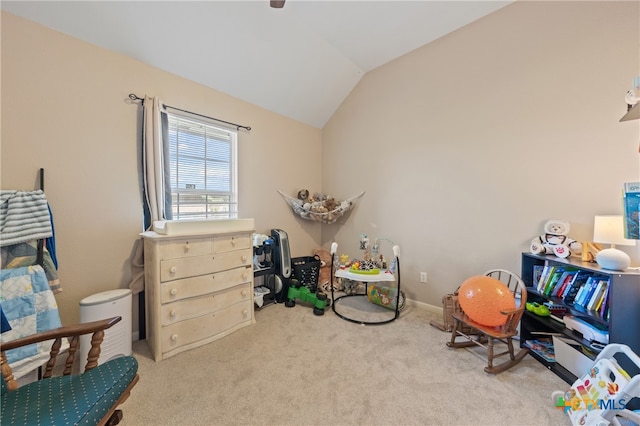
[{"x": 69, "y": 400}]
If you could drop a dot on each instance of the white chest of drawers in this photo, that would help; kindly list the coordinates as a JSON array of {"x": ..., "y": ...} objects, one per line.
[{"x": 198, "y": 288}]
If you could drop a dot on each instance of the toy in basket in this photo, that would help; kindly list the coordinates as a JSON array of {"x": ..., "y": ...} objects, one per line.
[
  {"x": 600, "y": 397},
  {"x": 319, "y": 207}
]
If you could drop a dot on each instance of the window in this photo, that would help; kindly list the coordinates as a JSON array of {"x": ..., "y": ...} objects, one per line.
[{"x": 203, "y": 168}]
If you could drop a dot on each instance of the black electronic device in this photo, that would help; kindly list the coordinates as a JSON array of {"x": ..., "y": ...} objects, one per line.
[
  {"x": 279, "y": 282},
  {"x": 281, "y": 254}
]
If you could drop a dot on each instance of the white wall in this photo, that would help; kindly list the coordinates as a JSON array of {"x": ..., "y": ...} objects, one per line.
[{"x": 467, "y": 145}]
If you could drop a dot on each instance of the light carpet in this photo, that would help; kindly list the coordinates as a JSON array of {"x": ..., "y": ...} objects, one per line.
[{"x": 295, "y": 368}]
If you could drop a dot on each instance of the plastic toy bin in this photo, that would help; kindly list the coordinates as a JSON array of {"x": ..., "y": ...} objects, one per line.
[{"x": 306, "y": 270}]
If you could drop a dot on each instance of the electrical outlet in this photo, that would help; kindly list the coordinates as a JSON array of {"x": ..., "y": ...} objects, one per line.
[{"x": 423, "y": 277}]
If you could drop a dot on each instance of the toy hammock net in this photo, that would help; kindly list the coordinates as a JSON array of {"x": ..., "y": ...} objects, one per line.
[{"x": 317, "y": 210}]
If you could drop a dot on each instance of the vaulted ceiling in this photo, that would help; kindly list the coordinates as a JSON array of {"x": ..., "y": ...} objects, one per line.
[{"x": 300, "y": 61}]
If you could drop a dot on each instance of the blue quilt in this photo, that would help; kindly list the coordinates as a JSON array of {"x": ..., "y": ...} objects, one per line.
[{"x": 30, "y": 306}]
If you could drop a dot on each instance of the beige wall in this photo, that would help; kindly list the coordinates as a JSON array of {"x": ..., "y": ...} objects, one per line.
[
  {"x": 64, "y": 109},
  {"x": 465, "y": 146},
  {"x": 468, "y": 145}
]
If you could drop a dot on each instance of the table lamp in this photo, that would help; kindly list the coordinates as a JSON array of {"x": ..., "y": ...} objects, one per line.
[{"x": 610, "y": 230}]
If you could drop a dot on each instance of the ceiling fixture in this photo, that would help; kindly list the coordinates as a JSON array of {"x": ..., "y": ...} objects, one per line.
[{"x": 277, "y": 4}]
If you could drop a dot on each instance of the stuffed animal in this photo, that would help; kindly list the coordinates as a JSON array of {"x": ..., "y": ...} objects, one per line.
[
  {"x": 330, "y": 204},
  {"x": 555, "y": 240},
  {"x": 324, "y": 279},
  {"x": 303, "y": 195}
]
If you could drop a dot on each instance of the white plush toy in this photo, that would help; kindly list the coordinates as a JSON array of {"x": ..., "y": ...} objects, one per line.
[{"x": 555, "y": 240}]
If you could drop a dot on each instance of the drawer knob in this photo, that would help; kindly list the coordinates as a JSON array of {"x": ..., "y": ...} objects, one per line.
[
  {"x": 243, "y": 292},
  {"x": 173, "y": 270},
  {"x": 186, "y": 247},
  {"x": 174, "y": 291},
  {"x": 244, "y": 313},
  {"x": 172, "y": 314},
  {"x": 174, "y": 337},
  {"x": 244, "y": 258},
  {"x": 233, "y": 241},
  {"x": 244, "y": 276}
]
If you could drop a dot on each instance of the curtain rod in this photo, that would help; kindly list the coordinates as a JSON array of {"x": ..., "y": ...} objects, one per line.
[{"x": 135, "y": 97}]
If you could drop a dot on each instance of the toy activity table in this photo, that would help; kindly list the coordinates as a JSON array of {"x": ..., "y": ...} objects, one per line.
[{"x": 366, "y": 279}]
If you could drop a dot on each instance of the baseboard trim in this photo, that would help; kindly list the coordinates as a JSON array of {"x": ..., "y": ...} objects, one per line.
[{"x": 424, "y": 306}]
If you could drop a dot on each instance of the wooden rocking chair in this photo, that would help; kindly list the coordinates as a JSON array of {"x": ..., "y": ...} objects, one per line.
[
  {"x": 89, "y": 398},
  {"x": 481, "y": 335}
]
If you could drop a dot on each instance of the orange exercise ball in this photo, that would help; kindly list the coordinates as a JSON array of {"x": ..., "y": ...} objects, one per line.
[{"x": 482, "y": 298}]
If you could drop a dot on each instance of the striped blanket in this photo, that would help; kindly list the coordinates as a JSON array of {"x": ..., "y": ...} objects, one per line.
[
  {"x": 29, "y": 305},
  {"x": 24, "y": 216}
]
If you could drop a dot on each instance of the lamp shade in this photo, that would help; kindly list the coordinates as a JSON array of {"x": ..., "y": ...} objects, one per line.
[{"x": 610, "y": 230}]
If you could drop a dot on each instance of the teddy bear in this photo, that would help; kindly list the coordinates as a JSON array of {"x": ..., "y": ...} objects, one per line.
[
  {"x": 324, "y": 278},
  {"x": 303, "y": 195},
  {"x": 330, "y": 204},
  {"x": 555, "y": 240}
]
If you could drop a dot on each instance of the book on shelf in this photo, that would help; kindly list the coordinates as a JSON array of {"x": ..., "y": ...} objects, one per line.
[
  {"x": 575, "y": 284},
  {"x": 595, "y": 286},
  {"x": 565, "y": 279},
  {"x": 602, "y": 297},
  {"x": 578, "y": 284},
  {"x": 596, "y": 295},
  {"x": 543, "y": 277},
  {"x": 544, "y": 348},
  {"x": 604, "y": 307},
  {"x": 593, "y": 292},
  {"x": 631, "y": 207},
  {"x": 553, "y": 280},
  {"x": 584, "y": 289},
  {"x": 559, "y": 284},
  {"x": 537, "y": 273},
  {"x": 589, "y": 287},
  {"x": 546, "y": 278}
]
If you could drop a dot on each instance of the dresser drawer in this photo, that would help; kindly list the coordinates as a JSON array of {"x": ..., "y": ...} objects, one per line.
[
  {"x": 192, "y": 330},
  {"x": 172, "y": 291},
  {"x": 185, "y": 247},
  {"x": 202, "y": 305},
  {"x": 231, "y": 242},
  {"x": 173, "y": 269}
]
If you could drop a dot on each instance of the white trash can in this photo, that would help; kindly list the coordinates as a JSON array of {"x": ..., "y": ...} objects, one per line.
[{"x": 117, "y": 339}]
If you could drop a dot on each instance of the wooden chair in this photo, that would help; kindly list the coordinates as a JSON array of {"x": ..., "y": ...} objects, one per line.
[
  {"x": 88, "y": 398},
  {"x": 481, "y": 335}
]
